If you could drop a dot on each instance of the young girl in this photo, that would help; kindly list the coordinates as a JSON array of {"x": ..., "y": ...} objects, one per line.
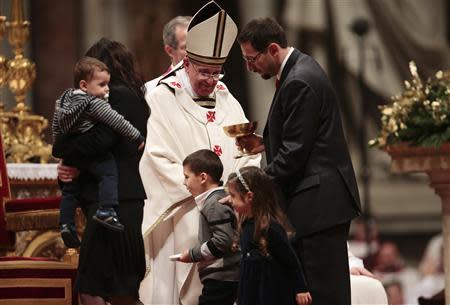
[{"x": 270, "y": 273}]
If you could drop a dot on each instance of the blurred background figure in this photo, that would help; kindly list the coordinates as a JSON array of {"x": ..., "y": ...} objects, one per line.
[
  {"x": 174, "y": 38},
  {"x": 389, "y": 264},
  {"x": 431, "y": 270},
  {"x": 361, "y": 246},
  {"x": 394, "y": 290}
]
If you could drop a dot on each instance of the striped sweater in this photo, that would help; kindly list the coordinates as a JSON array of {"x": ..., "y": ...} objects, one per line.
[{"x": 76, "y": 111}]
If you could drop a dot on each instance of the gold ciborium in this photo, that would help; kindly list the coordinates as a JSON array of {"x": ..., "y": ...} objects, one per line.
[{"x": 239, "y": 130}]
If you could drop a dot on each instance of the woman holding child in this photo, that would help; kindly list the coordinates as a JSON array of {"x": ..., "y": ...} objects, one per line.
[{"x": 111, "y": 264}]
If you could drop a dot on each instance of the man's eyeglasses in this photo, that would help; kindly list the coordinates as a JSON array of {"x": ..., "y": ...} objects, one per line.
[
  {"x": 252, "y": 59},
  {"x": 215, "y": 76}
]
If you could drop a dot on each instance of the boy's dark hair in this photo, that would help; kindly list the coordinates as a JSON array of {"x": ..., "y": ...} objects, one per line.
[
  {"x": 205, "y": 161},
  {"x": 261, "y": 32},
  {"x": 85, "y": 68}
]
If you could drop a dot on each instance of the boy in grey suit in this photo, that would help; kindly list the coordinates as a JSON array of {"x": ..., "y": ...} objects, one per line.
[{"x": 218, "y": 263}]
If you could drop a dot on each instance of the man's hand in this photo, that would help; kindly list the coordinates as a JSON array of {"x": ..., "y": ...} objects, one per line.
[
  {"x": 141, "y": 146},
  {"x": 303, "y": 298},
  {"x": 66, "y": 173},
  {"x": 361, "y": 271},
  {"x": 252, "y": 143}
]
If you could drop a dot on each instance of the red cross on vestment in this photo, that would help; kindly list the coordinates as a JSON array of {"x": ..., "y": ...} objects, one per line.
[
  {"x": 175, "y": 84},
  {"x": 217, "y": 150},
  {"x": 211, "y": 116}
]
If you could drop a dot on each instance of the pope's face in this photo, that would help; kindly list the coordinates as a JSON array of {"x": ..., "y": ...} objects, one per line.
[
  {"x": 259, "y": 62},
  {"x": 203, "y": 78}
]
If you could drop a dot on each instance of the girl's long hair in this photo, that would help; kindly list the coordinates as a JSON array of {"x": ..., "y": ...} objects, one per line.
[
  {"x": 265, "y": 206},
  {"x": 120, "y": 62}
]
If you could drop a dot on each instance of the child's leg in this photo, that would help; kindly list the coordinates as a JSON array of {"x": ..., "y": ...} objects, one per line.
[
  {"x": 69, "y": 202},
  {"x": 67, "y": 209},
  {"x": 105, "y": 170}
]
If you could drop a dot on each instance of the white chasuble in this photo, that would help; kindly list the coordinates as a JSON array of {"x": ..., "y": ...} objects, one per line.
[{"x": 176, "y": 128}]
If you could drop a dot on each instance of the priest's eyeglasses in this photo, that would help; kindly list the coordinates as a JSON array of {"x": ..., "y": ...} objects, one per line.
[{"x": 204, "y": 75}]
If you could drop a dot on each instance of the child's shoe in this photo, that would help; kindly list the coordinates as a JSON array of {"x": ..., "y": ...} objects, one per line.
[
  {"x": 69, "y": 235},
  {"x": 108, "y": 218}
]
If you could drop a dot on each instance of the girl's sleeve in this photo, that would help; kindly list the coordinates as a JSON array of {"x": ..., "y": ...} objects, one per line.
[{"x": 280, "y": 248}]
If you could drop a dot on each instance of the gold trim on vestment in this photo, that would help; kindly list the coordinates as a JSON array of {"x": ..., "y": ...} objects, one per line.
[{"x": 161, "y": 219}]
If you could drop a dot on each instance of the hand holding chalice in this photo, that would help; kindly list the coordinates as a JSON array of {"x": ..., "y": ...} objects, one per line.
[{"x": 247, "y": 141}]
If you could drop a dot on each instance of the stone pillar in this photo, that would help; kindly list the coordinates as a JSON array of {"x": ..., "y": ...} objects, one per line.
[
  {"x": 55, "y": 45},
  {"x": 440, "y": 182},
  {"x": 436, "y": 164}
]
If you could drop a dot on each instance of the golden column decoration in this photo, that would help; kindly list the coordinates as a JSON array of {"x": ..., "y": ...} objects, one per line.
[
  {"x": 25, "y": 129},
  {"x": 6, "y": 119},
  {"x": 3, "y": 67}
]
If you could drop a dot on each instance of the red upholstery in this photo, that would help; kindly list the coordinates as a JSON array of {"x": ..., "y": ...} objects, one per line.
[
  {"x": 31, "y": 280},
  {"x": 36, "y": 281},
  {"x": 23, "y": 214},
  {"x": 7, "y": 238},
  {"x": 31, "y": 204},
  {"x": 25, "y": 258}
]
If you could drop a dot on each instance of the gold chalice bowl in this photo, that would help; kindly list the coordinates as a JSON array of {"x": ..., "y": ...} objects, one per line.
[{"x": 241, "y": 130}]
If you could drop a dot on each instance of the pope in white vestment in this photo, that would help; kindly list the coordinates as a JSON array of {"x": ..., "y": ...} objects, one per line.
[{"x": 178, "y": 126}]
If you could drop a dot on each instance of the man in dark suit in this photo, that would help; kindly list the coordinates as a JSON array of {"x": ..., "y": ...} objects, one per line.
[{"x": 307, "y": 156}]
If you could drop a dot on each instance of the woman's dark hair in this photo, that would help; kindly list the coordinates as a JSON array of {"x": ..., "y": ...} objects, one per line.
[
  {"x": 265, "y": 204},
  {"x": 261, "y": 32},
  {"x": 120, "y": 62}
]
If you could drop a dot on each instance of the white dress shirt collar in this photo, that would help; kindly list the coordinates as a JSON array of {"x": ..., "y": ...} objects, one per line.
[
  {"x": 291, "y": 49},
  {"x": 201, "y": 199}
]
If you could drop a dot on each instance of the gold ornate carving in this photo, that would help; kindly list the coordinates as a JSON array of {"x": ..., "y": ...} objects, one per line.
[{"x": 21, "y": 130}]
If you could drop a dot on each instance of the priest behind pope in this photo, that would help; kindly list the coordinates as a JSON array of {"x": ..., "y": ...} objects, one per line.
[{"x": 189, "y": 108}]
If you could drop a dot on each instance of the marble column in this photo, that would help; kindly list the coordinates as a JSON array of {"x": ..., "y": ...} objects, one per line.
[{"x": 436, "y": 164}]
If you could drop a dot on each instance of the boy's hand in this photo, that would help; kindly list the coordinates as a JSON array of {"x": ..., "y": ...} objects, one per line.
[
  {"x": 141, "y": 146},
  {"x": 303, "y": 298},
  {"x": 185, "y": 257}
]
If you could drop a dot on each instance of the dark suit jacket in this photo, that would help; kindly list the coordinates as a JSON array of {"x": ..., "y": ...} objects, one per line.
[
  {"x": 306, "y": 149},
  {"x": 100, "y": 140}
]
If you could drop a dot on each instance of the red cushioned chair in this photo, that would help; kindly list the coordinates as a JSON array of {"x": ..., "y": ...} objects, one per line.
[
  {"x": 36, "y": 281},
  {"x": 31, "y": 280}
]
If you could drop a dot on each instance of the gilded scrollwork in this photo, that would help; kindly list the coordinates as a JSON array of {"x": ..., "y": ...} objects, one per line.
[{"x": 22, "y": 131}]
